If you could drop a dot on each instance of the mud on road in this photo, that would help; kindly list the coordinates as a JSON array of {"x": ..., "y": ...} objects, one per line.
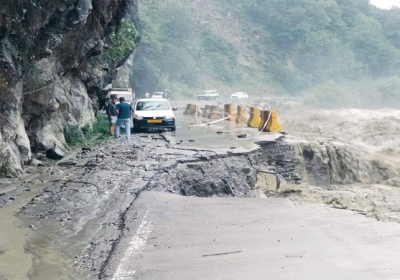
[
  {"x": 72, "y": 215},
  {"x": 79, "y": 209}
]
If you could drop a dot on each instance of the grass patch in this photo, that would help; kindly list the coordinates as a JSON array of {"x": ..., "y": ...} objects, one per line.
[{"x": 89, "y": 135}]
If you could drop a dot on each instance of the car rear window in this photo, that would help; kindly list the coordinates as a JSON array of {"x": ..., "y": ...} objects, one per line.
[{"x": 152, "y": 105}]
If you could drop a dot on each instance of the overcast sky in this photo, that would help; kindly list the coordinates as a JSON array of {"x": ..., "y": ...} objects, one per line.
[{"x": 385, "y": 4}]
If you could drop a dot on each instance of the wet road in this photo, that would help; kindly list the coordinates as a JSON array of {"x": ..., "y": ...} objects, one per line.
[
  {"x": 119, "y": 214},
  {"x": 192, "y": 132},
  {"x": 254, "y": 238}
]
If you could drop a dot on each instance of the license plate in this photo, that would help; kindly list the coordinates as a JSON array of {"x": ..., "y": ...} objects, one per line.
[{"x": 154, "y": 121}]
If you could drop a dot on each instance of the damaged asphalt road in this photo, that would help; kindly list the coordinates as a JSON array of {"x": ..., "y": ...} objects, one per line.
[
  {"x": 77, "y": 221},
  {"x": 137, "y": 210}
]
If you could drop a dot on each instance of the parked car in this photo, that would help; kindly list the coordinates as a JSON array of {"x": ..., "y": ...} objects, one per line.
[
  {"x": 158, "y": 95},
  {"x": 166, "y": 94},
  {"x": 239, "y": 95},
  {"x": 153, "y": 113},
  {"x": 127, "y": 93},
  {"x": 208, "y": 95}
]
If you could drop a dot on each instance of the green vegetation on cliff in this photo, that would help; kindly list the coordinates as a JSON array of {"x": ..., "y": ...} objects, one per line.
[{"x": 334, "y": 52}]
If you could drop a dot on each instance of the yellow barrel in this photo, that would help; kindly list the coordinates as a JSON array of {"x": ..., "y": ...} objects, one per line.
[
  {"x": 254, "y": 120},
  {"x": 241, "y": 114}
]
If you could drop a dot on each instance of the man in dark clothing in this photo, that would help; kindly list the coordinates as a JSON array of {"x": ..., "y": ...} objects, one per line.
[
  {"x": 111, "y": 111},
  {"x": 124, "y": 113}
]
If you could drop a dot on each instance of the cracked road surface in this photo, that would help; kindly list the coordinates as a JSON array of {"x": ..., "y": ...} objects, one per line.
[{"x": 181, "y": 206}]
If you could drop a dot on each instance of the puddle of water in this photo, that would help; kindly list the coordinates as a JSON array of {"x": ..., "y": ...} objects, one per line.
[
  {"x": 221, "y": 135},
  {"x": 15, "y": 262}
]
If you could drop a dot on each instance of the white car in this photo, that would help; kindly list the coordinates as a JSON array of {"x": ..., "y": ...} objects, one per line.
[
  {"x": 239, "y": 95},
  {"x": 208, "y": 95},
  {"x": 158, "y": 95},
  {"x": 153, "y": 113}
]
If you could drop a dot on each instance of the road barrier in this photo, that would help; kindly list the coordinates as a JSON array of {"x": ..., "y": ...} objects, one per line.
[
  {"x": 241, "y": 114},
  {"x": 265, "y": 121},
  {"x": 229, "y": 110},
  {"x": 273, "y": 125},
  {"x": 206, "y": 111},
  {"x": 254, "y": 120},
  {"x": 193, "y": 110},
  {"x": 215, "y": 113},
  {"x": 269, "y": 122},
  {"x": 187, "y": 109}
]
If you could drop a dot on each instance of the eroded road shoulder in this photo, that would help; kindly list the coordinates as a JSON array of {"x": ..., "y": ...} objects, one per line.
[{"x": 79, "y": 219}]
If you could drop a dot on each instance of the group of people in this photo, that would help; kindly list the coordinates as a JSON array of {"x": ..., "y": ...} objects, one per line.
[{"x": 119, "y": 114}]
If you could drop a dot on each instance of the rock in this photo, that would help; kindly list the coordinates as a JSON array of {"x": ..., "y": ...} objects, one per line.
[
  {"x": 57, "y": 172},
  {"x": 55, "y": 153},
  {"x": 23, "y": 144},
  {"x": 68, "y": 163},
  {"x": 242, "y": 136},
  {"x": 394, "y": 182},
  {"x": 35, "y": 163},
  {"x": 247, "y": 170},
  {"x": 43, "y": 91}
]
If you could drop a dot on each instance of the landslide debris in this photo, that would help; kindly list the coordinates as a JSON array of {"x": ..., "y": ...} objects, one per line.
[{"x": 79, "y": 219}]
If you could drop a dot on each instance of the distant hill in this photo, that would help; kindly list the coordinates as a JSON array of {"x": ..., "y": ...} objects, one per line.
[{"x": 334, "y": 52}]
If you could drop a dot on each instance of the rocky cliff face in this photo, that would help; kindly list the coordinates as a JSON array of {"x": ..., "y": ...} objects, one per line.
[{"x": 51, "y": 70}]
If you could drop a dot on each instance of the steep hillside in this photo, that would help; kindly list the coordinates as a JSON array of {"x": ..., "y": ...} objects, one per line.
[
  {"x": 271, "y": 47},
  {"x": 55, "y": 58}
]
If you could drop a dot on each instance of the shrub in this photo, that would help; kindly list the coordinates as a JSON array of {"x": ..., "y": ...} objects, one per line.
[
  {"x": 88, "y": 135},
  {"x": 73, "y": 135},
  {"x": 121, "y": 42}
]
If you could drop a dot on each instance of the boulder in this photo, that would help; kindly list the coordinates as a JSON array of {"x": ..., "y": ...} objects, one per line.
[{"x": 55, "y": 153}]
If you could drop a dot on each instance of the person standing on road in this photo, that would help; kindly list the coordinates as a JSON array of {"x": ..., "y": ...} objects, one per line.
[
  {"x": 124, "y": 113},
  {"x": 112, "y": 114}
]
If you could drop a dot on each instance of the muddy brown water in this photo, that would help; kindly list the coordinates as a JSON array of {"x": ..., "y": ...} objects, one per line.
[{"x": 15, "y": 262}]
